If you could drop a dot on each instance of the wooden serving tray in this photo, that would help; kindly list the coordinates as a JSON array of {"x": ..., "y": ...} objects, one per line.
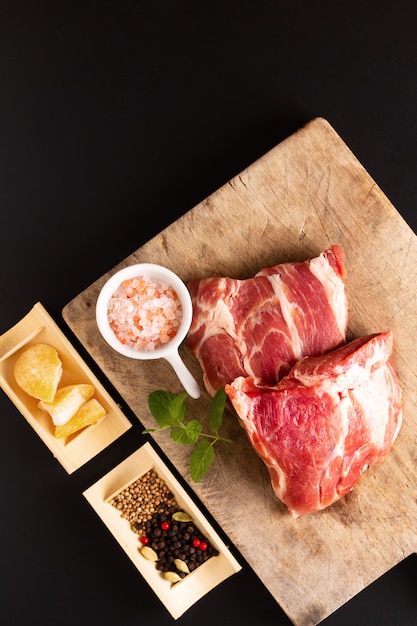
[
  {"x": 305, "y": 194},
  {"x": 75, "y": 450},
  {"x": 179, "y": 597}
]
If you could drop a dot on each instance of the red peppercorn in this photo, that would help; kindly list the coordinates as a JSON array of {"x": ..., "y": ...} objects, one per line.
[
  {"x": 196, "y": 543},
  {"x": 144, "y": 539},
  {"x": 165, "y": 525},
  {"x": 203, "y": 545}
]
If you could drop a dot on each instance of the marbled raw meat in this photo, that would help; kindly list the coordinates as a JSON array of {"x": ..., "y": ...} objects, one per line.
[
  {"x": 321, "y": 426},
  {"x": 262, "y": 325}
]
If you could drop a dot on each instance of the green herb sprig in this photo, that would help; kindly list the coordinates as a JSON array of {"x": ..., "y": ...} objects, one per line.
[{"x": 169, "y": 411}]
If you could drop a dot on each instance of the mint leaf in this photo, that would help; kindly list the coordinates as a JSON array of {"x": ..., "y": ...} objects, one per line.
[
  {"x": 167, "y": 408},
  {"x": 194, "y": 429},
  {"x": 217, "y": 409},
  {"x": 200, "y": 460},
  {"x": 187, "y": 434},
  {"x": 178, "y": 407},
  {"x": 180, "y": 435}
]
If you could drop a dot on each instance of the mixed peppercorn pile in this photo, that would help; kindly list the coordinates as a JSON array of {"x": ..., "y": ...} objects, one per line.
[{"x": 167, "y": 534}]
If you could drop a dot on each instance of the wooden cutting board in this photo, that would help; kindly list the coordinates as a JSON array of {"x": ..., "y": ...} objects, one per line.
[{"x": 305, "y": 194}]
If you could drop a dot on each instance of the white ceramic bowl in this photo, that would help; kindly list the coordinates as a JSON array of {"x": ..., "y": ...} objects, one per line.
[{"x": 168, "y": 351}]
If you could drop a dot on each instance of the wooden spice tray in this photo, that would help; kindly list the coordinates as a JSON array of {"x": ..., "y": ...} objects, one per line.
[
  {"x": 73, "y": 451},
  {"x": 181, "y": 596}
]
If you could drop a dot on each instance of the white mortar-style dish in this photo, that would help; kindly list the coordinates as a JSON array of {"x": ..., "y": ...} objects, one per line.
[{"x": 168, "y": 351}]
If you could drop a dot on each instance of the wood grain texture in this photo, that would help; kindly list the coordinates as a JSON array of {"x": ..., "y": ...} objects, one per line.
[{"x": 307, "y": 193}]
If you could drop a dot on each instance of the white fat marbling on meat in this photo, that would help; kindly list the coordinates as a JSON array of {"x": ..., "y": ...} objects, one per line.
[{"x": 334, "y": 288}]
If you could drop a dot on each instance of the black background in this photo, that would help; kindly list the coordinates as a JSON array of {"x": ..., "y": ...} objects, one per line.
[{"x": 116, "y": 117}]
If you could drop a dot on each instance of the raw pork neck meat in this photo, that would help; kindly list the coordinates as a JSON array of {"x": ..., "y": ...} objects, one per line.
[
  {"x": 261, "y": 326},
  {"x": 320, "y": 427}
]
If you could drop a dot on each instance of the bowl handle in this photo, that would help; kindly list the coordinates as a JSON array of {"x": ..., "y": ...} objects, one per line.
[{"x": 186, "y": 378}]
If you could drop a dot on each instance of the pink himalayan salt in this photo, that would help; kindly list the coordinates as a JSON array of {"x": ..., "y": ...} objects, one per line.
[{"x": 144, "y": 314}]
